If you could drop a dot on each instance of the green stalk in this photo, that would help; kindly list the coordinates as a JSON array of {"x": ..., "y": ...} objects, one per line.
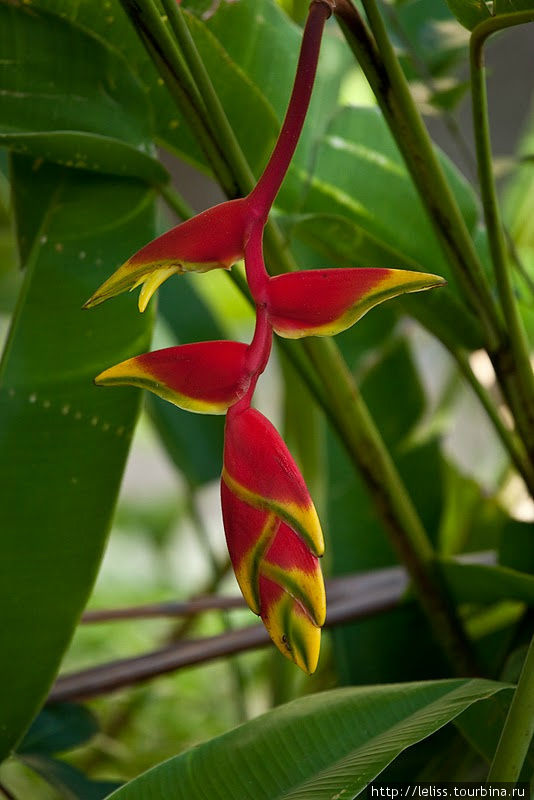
[
  {"x": 215, "y": 113},
  {"x": 518, "y": 729},
  {"x": 492, "y": 215},
  {"x": 508, "y": 438},
  {"x": 367, "y": 450},
  {"x": 369, "y": 454},
  {"x": 170, "y": 64},
  {"x": 379, "y": 62},
  {"x": 174, "y": 200},
  {"x": 386, "y": 77}
]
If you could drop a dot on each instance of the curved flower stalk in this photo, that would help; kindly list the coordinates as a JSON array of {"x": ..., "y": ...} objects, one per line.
[{"x": 272, "y": 529}]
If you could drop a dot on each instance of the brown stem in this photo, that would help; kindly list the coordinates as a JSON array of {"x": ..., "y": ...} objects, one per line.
[
  {"x": 172, "y": 609},
  {"x": 356, "y": 597}
]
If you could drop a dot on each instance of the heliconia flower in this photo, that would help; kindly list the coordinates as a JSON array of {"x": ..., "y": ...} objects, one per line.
[
  {"x": 279, "y": 577},
  {"x": 206, "y": 377},
  {"x": 212, "y": 239},
  {"x": 260, "y": 470},
  {"x": 323, "y": 302}
]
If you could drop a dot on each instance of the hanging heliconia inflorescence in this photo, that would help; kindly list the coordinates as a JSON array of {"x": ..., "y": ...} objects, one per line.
[{"x": 272, "y": 529}]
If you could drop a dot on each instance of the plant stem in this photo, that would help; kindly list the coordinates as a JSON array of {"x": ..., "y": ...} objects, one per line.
[
  {"x": 151, "y": 28},
  {"x": 386, "y": 77},
  {"x": 384, "y": 73},
  {"x": 494, "y": 226},
  {"x": 221, "y": 130},
  {"x": 518, "y": 729},
  {"x": 357, "y": 597},
  {"x": 407, "y": 535},
  {"x": 508, "y": 438},
  {"x": 174, "y": 200},
  {"x": 215, "y": 114}
]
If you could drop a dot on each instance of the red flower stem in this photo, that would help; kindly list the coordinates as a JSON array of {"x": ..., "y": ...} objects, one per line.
[
  {"x": 263, "y": 195},
  {"x": 259, "y": 349},
  {"x": 257, "y": 276},
  {"x": 257, "y": 357}
]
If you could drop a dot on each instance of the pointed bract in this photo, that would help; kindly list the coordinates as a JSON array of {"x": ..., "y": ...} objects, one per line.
[
  {"x": 212, "y": 239},
  {"x": 289, "y": 626},
  {"x": 324, "y": 302},
  {"x": 279, "y": 577},
  {"x": 206, "y": 377},
  {"x": 289, "y": 563},
  {"x": 249, "y": 532},
  {"x": 260, "y": 470}
]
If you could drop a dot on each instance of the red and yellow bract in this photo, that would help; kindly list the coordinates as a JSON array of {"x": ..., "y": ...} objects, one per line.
[
  {"x": 260, "y": 470},
  {"x": 206, "y": 377},
  {"x": 323, "y": 302}
]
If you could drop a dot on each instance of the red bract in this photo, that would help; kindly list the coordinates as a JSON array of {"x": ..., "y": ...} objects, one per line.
[
  {"x": 279, "y": 577},
  {"x": 207, "y": 377},
  {"x": 215, "y": 238},
  {"x": 260, "y": 470},
  {"x": 323, "y": 302}
]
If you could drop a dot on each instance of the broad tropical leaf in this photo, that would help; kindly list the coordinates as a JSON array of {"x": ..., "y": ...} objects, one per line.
[
  {"x": 322, "y": 746},
  {"x": 63, "y": 441}
]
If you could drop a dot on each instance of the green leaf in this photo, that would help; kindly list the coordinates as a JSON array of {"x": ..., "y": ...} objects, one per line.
[
  {"x": 362, "y": 210},
  {"x": 358, "y": 538},
  {"x": 89, "y": 111},
  {"x": 479, "y": 583},
  {"x": 482, "y": 723},
  {"x": 511, "y": 6},
  {"x": 57, "y": 728},
  {"x": 63, "y": 441},
  {"x": 360, "y": 175},
  {"x": 423, "y": 32},
  {"x": 469, "y": 12},
  {"x": 68, "y": 780},
  {"x": 251, "y": 114},
  {"x": 325, "y": 745}
]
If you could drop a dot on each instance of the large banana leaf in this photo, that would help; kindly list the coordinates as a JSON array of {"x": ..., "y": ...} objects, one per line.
[
  {"x": 63, "y": 442},
  {"x": 316, "y": 748}
]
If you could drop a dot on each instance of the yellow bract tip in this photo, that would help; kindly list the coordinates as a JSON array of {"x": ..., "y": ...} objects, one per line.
[
  {"x": 152, "y": 283},
  {"x": 294, "y": 634}
]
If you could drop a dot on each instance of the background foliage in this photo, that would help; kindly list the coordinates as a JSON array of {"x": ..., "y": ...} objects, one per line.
[{"x": 87, "y": 124}]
